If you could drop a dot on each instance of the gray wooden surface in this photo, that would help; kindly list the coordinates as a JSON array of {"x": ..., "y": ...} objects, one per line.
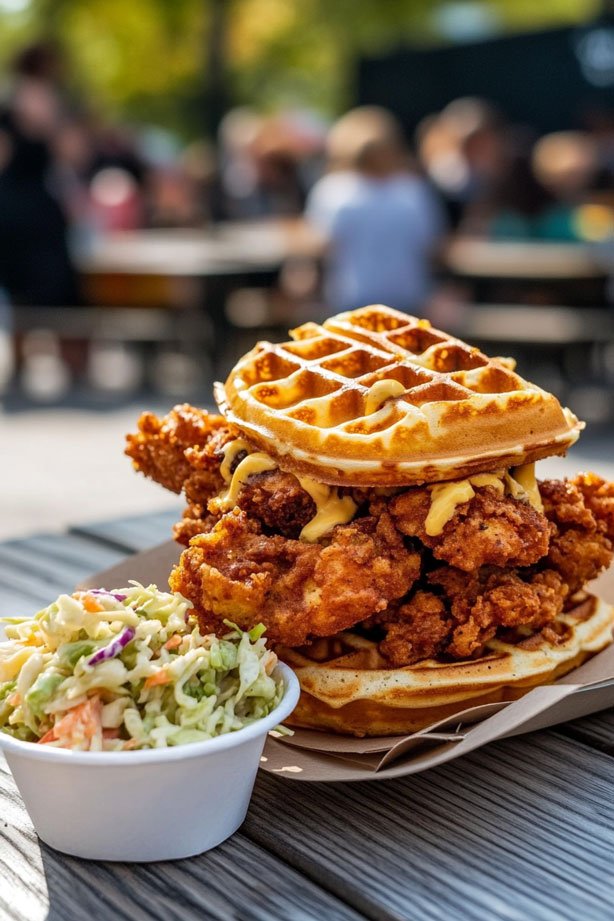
[{"x": 520, "y": 831}]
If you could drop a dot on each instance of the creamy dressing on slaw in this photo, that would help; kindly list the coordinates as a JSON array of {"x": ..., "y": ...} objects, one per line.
[{"x": 129, "y": 669}]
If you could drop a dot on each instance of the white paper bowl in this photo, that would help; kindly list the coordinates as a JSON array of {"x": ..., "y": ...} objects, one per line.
[{"x": 159, "y": 804}]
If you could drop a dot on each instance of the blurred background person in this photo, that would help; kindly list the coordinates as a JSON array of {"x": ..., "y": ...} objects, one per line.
[
  {"x": 379, "y": 217},
  {"x": 35, "y": 264},
  {"x": 514, "y": 207},
  {"x": 462, "y": 150},
  {"x": 567, "y": 165}
]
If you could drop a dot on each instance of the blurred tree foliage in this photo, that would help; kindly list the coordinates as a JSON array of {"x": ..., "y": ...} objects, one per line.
[{"x": 145, "y": 59}]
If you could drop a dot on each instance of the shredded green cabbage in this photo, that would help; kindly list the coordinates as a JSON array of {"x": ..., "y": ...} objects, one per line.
[{"x": 129, "y": 669}]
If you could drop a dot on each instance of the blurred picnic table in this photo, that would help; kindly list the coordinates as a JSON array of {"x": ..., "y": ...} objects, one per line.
[
  {"x": 532, "y": 271},
  {"x": 227, "y": 249},
  {"x": 192, "y": 271}
]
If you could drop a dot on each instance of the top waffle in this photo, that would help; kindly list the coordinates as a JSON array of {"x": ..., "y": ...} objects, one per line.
[{"x": 379, "y": 398}]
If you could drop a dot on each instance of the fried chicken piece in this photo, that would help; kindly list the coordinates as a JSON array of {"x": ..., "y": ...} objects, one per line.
[
  {"x": 196, "y": 520},
  {"x": 599, "y": 498},
  {"x": 297, "y": 590},
  {"x": 482, "y": 602},
  {"x": 471, "y": 606},
  {"x": 464, "y": 610},
  {"x": 277, "y": 500},
  {"x": 581, "y": 512},
  {"x": 416, "y": 630},
  {"x": 182, "y": 450},
  {"x": 490, "y": 529}
]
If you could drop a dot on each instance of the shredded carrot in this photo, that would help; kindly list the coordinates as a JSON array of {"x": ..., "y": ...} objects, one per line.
[
  {"x": 156, "y": 679},
  {"x": 82, "y": 722},
  {"x": 49, "y": 736},
  {"x": 14, "y": 699},
  {"x": 91, "y": 605},
  {"x": 174, "y": 641}
]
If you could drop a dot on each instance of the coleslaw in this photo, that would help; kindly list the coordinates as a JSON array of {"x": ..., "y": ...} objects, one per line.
[{"x": 129, "y": 669}]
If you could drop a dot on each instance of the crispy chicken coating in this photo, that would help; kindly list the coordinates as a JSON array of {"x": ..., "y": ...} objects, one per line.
[
  {"x": 581, "y": 512},
  {"x": 182, "y": 451},
  {"x": 464, "y": 610},
  {"x": 297, "y": 590},
  {"x": 415, "y": 630},
  {"x": 599, "y": 498},
  {"x": 277, "y": 501},
  {"x": 490, "y": 529},
  {"x": 460, "y": 610},
  {"x": 497, "y": 565},
  {"x": 196, "y": 520}
]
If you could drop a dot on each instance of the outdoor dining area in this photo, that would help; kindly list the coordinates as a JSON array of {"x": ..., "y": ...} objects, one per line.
[{"x": 307, "y": 461}]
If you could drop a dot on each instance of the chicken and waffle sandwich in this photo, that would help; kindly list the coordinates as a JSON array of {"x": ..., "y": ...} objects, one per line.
[{"x": 368, "y": 493}]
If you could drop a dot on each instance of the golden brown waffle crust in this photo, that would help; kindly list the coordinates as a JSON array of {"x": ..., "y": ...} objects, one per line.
[
  {"x": 455, "y": 411},
  {"x": 351, "y": 692}
]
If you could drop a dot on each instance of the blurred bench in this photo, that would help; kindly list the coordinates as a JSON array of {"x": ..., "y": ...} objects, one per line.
[
  {"x": 565, "y": 349},
  {"x": 536, "y": 326},
  {"x": 126, "y": 324}
]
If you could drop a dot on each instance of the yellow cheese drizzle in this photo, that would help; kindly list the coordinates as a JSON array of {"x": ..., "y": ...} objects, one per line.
[
  {"x": 524, "y": 476},
  {"x": 331, "y": 509},
  {"x": 445, "y": 497},
  {"x": 249, "y": 466},
  {"x": 230, "y": 452},
  {"x": 380, "y": 392}
]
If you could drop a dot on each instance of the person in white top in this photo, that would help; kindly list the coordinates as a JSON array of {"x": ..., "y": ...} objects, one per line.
[{"x": 381, "y": 221}]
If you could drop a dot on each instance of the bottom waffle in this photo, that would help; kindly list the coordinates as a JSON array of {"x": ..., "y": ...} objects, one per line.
[{"x": 346, "y": 686}]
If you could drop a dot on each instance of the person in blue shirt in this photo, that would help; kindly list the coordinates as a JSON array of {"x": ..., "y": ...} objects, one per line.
[{"x": 380, "y": 218}]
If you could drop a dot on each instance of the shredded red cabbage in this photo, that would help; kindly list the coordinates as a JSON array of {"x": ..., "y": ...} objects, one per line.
[
  {"x": 102, "y": 591},
  {"x": 114, "y": 647}
]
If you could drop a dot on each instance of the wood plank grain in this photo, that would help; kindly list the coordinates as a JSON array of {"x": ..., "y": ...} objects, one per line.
[
  {"x": 519, "y": 831},
  {"x": 522, "y": 830},
  {"x": 596, "y": 731},
  {"x": 137, "y": 532},
  {"x": 238, "y": 880},
  {"x": 33, "y": 571}
]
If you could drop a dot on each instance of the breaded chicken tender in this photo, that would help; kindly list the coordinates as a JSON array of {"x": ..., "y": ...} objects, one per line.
[
  {"x": 464, "y": 610},
  {"x": 297, "y": 590},
  {"x": 182, "y": 451},
  {"x": 490, "y": 529},
  {"x": 581, "y": 512},
  {"x": 277, "y": 500},
  {"x": 454, "y": 612}
]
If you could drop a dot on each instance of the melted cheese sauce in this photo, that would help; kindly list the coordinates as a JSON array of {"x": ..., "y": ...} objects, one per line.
[
  {"x": 249, "y": 466},
  {"x": 445, "y": 497},
  {"x": 331, "y": 509},
  {"x": 525, "y": 477},
  {"x": 380, "y": 392},
  {"x": 230, "y": 452}
]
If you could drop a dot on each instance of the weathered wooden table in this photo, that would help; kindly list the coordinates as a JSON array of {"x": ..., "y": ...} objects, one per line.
[{"x": 520, "y": 831}]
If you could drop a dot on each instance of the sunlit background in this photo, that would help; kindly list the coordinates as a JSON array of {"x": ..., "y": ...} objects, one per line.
[{"x": 179, "y": 179}]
